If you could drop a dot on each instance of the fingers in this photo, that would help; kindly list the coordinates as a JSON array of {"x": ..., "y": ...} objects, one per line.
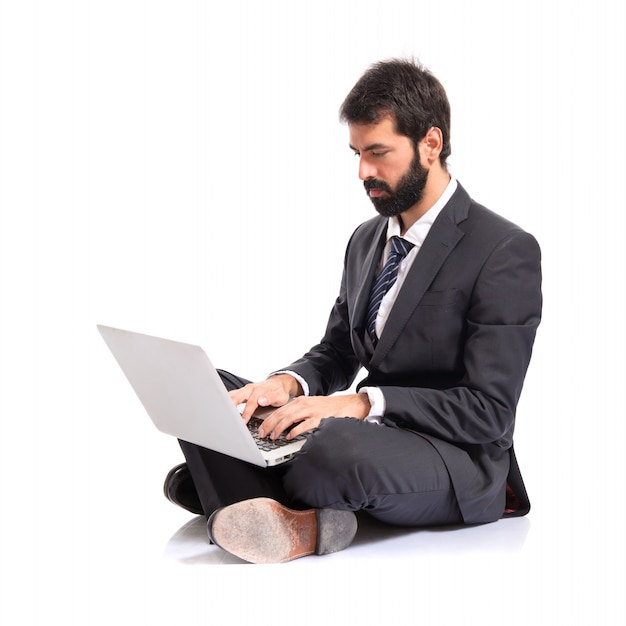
[
  {"x": 300, "y": 415},
  {"x": 306, "y": 413},
  {"x": 294, "y": 430},
  {"x": 240, "y": 400},
  {"x": 270, "y": 392}
]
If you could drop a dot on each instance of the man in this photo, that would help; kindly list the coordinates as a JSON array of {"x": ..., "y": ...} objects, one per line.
[{"x": 440, "y": 301}]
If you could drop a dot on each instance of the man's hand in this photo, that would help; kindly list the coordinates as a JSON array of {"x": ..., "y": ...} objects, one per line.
[
  {"x": 275, "y": 391},
  {"x": 306, "y": 412}
]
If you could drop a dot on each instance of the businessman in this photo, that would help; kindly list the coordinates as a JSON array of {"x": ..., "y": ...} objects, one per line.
[{"x": 440, "y": 301}]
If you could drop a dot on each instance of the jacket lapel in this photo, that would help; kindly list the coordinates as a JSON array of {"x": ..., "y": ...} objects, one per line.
[{"x": 361, "y": 301}]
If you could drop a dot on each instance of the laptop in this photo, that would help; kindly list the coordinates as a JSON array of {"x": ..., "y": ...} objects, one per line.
[{"x": 185, "y": 397}]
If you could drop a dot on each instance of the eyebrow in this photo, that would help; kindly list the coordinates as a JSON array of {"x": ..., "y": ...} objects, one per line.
[{"x": 373, "y": 146}]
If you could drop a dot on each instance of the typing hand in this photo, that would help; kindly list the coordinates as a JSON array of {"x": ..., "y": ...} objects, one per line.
[
  {"x": 276, "y": 391},
  {"x": 305, "y": 413}
]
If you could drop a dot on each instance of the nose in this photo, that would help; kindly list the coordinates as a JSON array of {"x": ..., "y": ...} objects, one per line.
[{"x": 366, "y": 169}]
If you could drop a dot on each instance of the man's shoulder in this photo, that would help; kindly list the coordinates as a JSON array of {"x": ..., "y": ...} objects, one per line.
[
  {"x": 475, "y": 216},
  {"x": 370, "y": 229}
]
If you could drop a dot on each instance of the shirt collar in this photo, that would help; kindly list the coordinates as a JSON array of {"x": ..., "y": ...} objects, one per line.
[{"x": 417, "y": 233}]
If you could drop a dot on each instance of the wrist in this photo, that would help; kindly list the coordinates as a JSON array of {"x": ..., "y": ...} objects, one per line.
[
  {"x": 376, "y": 401},
  {"x": 364, "y": 407},
  {"x": 290, "y": 384}
]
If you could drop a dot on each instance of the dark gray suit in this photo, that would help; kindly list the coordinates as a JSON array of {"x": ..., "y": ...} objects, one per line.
[{"x": 450, "y": 362}]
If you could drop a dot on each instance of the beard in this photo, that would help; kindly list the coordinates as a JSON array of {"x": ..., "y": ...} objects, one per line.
[{"x": 409, "y": 190}]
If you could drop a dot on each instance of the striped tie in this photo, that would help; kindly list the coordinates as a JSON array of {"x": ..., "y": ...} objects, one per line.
[{"x": 399, "y": 249}]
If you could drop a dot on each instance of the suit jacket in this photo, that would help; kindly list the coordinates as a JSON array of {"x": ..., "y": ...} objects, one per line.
[{"x": 452, "y": 358}]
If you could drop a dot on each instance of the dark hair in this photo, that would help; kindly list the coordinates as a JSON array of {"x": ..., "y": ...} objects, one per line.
[{"x": 406, "y": 91}]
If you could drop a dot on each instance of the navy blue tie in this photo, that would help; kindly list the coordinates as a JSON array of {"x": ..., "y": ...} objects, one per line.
[{"x": 398, "y": 250}]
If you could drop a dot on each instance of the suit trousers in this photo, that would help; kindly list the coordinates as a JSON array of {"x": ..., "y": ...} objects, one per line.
[{"x": 393, "y": 474}]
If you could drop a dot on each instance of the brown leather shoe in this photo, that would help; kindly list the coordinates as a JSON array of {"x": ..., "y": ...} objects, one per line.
[{"x": 262, "y": 530}]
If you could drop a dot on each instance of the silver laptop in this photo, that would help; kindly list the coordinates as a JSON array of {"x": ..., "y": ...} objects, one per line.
[{"x": 185, "y": 397}]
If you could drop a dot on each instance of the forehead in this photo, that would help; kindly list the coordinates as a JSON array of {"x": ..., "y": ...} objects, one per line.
[{"x": 370, "y": 136}]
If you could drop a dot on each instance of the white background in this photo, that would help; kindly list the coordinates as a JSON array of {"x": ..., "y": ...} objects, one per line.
[{"x": 178, "y": 168}]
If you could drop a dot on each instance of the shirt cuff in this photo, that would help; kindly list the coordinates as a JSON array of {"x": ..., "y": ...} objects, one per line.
[
  {"x": 377, "y": 402},
  {"x": 303, "y": 383}
]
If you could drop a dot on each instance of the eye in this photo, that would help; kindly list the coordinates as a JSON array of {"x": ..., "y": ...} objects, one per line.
[{"x": 379, "y": 154}]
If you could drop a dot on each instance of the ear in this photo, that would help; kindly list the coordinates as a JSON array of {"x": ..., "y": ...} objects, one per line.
[{"x": 431, "y": 145}]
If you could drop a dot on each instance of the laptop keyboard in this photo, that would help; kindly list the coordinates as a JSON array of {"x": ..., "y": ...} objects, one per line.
[{"x": 268, "y": 445}]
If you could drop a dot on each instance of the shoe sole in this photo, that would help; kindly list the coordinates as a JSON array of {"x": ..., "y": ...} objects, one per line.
[{"x": 262, "y": 530}]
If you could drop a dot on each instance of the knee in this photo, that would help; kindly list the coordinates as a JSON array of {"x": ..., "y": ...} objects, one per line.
[
  {"x": 326, "y": 472},
  {"x": 334, "y": 446}
]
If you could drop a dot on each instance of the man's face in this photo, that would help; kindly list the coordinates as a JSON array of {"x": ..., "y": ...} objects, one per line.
[{"x": 389, "y": 167}]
